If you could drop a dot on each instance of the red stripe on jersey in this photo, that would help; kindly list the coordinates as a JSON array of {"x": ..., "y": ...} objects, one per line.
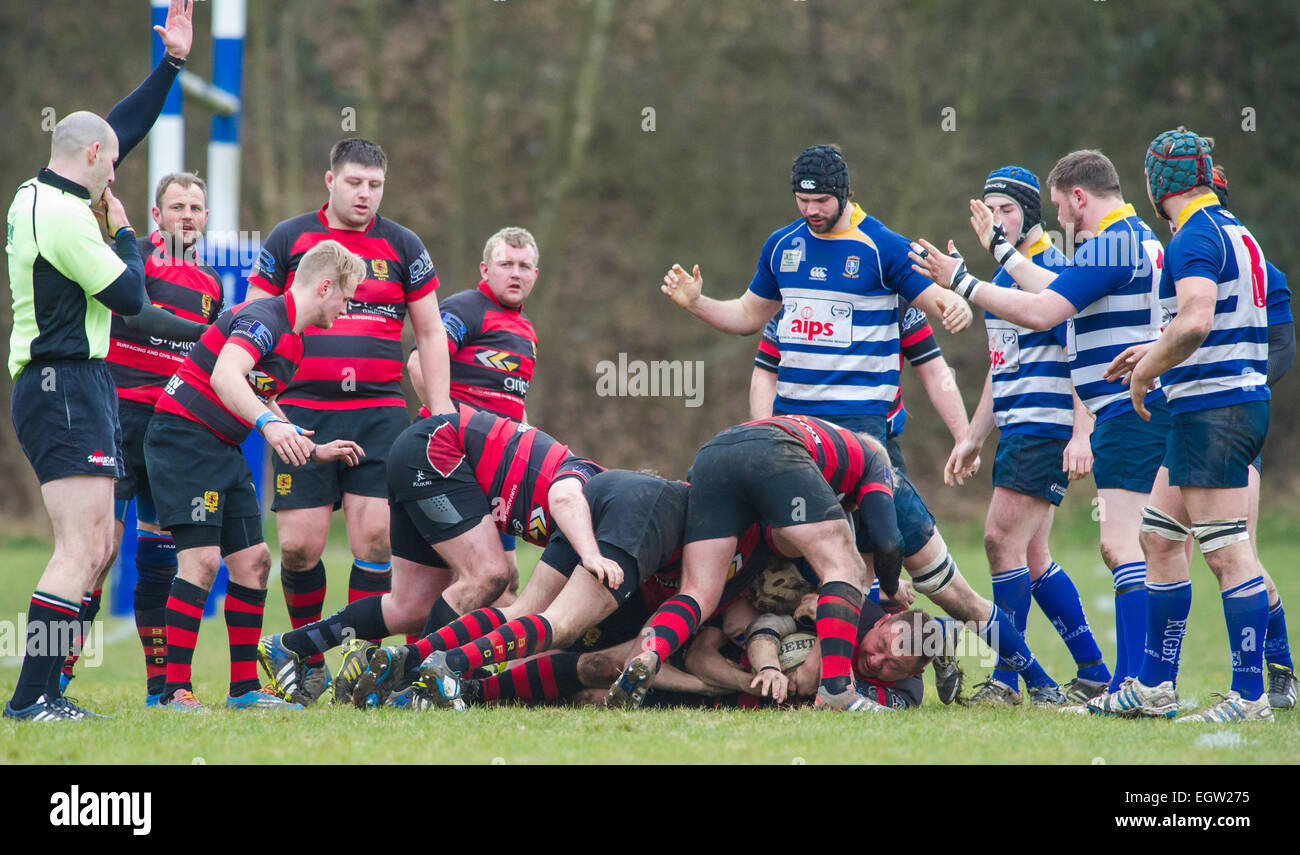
[
  {"x": 920, "y": 333},
  {"x": 366, "y": 247},
  {"x": 510, "y": 486},
  {"x": 444, "y": 450},
  {"x": 510, "y": 406},
  {"x": 767, "y": 348},
  {"x": 555, "y": 455},
  {"x": 509, "y": 321}
]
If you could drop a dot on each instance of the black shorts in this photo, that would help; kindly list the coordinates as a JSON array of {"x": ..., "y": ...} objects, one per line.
[
  {"x": 623, "y": 625},
  {"x": 638, "y": 520},
  {"x": 65, "y": 415},
  {"x": 427, "y": 507},
  {"x": 754, "y": 474},
  {"x": 315, "y": 485},
  {"x": 134, "y": 417},
  {"x": 201, "y": 486}
]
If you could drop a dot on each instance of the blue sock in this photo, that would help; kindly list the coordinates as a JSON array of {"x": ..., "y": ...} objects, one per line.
[
  {"x": 1011, "y": 594},
  {"x": 155, "y": 554},
  {"x": 1168, "y": 604},
  {"x": 1000, "y": 633},
  {"x": 1130, "y": 620},
  {"x": 1059, "y": 599},
  {"x": 1245, "y": 608},
  {"x": 1277, "y": 647},
  {"x": 874, "y": 593}
]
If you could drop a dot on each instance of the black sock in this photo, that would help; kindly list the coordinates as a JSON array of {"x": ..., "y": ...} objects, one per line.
[
  {"x": 362, "y": 619},
  {"x": 52, "y": 622}
]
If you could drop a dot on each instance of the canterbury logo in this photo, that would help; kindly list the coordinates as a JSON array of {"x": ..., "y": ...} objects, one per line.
[
  {"x": 807, "y": 184},
  {"x": 497, "y": 359}
]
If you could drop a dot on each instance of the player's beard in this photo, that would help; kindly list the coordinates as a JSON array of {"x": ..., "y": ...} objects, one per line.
[{"x": 826, "y": 226}]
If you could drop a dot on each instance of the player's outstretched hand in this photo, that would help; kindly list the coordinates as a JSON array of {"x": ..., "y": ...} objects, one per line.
[
  {"x": 957, "y": 314},
  {"x": 934, "y": 265},
  {"x": 963, "y": 463},
  {"x": 982, "y": 220},
  {"x": 1077, "y": 458},
  {"x": 1121, "y": 367},
  {"x": 606, "y": 570},
  {"x": 177, "y": 33},
  {"x": 684, "y": 288},
  {"x": 340, "y": 449},
  {"x": 294, "y": 448},
  {"x": 770, "y": 682}
]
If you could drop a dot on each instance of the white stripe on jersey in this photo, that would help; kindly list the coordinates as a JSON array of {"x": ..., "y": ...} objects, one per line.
[{"x": 821, "y": 392}]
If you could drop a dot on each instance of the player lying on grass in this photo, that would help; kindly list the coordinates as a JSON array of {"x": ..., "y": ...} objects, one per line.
[
  {"x": 639, "y": 522},
  {"x": 441, "y": 472}
]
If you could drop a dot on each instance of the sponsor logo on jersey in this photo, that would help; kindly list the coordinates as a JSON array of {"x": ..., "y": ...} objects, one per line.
[
  {"x": 497, "y": 359},
  {"x": 820, "y": 322},
  {"x": 818, "y": 273},
  {"x": 283, "y": 483},
  {"x": 790, "y": 259},
  {"x": 210, "y": 500},
  {"x": 99, "y": 458},
  {"x": 262, "y": 383},
  {"x": 421, "y": 268},
  {"x": 256, "y": 332},
  {"x": 455, "y": 327},
  {"x": 537, "y": 524},
  {"x": 851, "y": 265}
]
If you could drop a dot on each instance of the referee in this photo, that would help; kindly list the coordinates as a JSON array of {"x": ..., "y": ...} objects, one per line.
[{"x": 65, "y": 283}]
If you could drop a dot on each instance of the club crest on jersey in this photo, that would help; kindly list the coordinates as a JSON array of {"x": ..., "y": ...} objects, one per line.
[
  {"x": 851, "y": 265},
  {"x": 827, "y": 323},
  {"x": 207, "y": 304},
  {"x": 591, "y": 637},
  {"x": 790, "y": 259},
  {"x": 283, "y": 484},
  {"x": 210, "y": 501},
  {"x": 378, "y": 268}
]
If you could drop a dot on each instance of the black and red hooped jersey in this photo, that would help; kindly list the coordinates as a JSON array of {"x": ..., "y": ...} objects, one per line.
[
  {"x": 264, "y": 328},
  {"x": 493, "y": 351},
  {"x": 754, "y": 551},
  {"x": 514, "y": 463},
  {"x": 141, "y": 364},
  {"x": 358, "y": 361},
  {"x": 850, "y": 466}
]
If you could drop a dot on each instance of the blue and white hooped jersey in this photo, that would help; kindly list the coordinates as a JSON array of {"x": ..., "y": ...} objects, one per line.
[
  {"x": 1111, "y": 282},
  {"x": 1032, "y": 393},
  {"x": 1231, "y": 365},
  {"x": 1279, "y": 296},
  {"x": 839, "y": 321}
]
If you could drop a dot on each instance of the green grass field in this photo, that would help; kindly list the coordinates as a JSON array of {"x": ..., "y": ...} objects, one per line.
[{"x": 932, "y": 734}]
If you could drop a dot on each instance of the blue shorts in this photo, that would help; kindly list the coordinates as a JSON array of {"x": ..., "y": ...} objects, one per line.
[
  {"x": 915, "y": 522},
  {"x": 1214, "y": 448},
  {"x": 1031, "y": 465},
  {"x": 65, "y": 415},
  {"x": 1127, "y": 451}
]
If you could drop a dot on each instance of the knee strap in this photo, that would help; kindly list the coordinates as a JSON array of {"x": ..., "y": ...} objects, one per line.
[
  {"x": 936, "y": 576},
  {"x": 1159, "y": 522},
  {"x": 1216, "y": 534}
]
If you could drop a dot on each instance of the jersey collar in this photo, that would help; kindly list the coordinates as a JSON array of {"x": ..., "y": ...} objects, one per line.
[
  {"x": 1123, "y": 212},
  {"x": 1205, "y": 200},
  {"x": 483, "y": 286},
  {"x": 54, "y": 179},
  {"x": 290, "y": 308},
  {"x": 1038, "y": 246},
  {"x": 855, "y": 218},
  {"x": 324, "y": 221}
]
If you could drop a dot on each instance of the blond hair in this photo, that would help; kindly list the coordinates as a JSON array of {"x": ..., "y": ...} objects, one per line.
[
  {"x": 511, "y": 236},
  {"x": 329, "y": 259}
]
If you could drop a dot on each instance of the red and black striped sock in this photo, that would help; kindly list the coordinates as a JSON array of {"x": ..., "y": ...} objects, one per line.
[
  {"x": 675, "y": 622},
  {"x": 517, "y": 639},
  {"x": 838, "y": 608},
  {"x": 462, "y": 630},
  {"x": 89, "y": 610},
  {"x": 49, "y": 620},
  {"x": 184, "y": 614},
  {"x": 304, "y": 594},
  {"x": 548, "y": 678},
  {"x": 369, "y": 579},
  {"x": 244, "y": 609}
]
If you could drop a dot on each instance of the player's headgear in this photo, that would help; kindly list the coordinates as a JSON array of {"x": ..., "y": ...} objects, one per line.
[
  {"x": 1177, "y": 161},
  {"x": 1020, "y": 186},
  {"x": 1221, "y": 185},
  {"x": 821, "y": 169}
]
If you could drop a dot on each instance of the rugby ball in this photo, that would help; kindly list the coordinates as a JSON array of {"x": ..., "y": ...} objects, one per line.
[{"x": 794, "y": 649}]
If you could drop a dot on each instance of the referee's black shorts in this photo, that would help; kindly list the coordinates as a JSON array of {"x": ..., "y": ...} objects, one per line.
[{"x": 65, "y": 415}]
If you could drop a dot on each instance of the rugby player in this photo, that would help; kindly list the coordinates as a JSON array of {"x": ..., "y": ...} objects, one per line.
[
  {"x": 141, "y": 364},
  {"x": 791, "y": 473},
  {"x": 63, "y": 406},
  {"x": 492, "y": 343},
  {"x": 198, "y": 476},
  {"x": 1108, "y": 296},
  {"x": 1043, "y": 445},
  {"x": 350, "y": 381},
  {"x": 1212, "y": 361},
  {"x": 455, "y": 482}
]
